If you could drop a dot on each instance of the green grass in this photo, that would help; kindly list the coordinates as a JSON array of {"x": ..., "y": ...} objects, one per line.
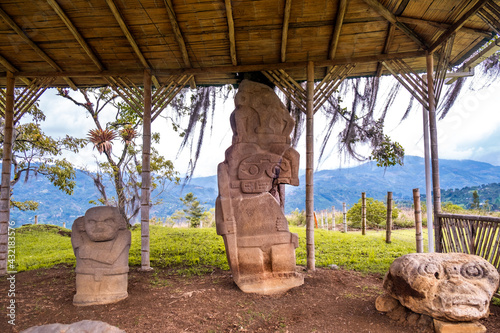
[
  {"x": 42, "y": 246},
  {"x": 198, "y": 251},
  {"x": 369, "y": 253}
]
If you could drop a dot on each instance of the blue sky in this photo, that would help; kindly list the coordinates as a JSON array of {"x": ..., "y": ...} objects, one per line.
[{"x": 470, "y": 131}]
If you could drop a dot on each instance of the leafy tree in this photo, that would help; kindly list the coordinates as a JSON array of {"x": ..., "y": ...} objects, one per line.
[
  {"x": 475, "y": 201},
  {"x": 376, "y": 213},
  {"x": 34, "y": 153},
  {"x": 122, "y": 169},
  {"x": 194, "y": 211}
]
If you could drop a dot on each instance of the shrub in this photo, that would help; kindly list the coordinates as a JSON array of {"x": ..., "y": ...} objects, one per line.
[
  {"x": 297, "y": 218},
  {"x": 376, "y": 214}
]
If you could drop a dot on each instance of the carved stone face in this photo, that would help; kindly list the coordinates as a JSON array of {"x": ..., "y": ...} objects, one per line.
[
  {"x": 453, "y": 286},
  {"x": 102, "y": 223}
]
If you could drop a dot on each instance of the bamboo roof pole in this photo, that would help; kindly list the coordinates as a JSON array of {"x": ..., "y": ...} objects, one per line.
[
  {"x": 34, "y": 46},
  {"x": 311, "y": 265},
  {"x": 179, "y": 38},
  {"x": 71, "y": 27},
  {"x": 434, "y": 150},
  {"x": 230, "y": 27},
  {"x": 123, "y": 26},
  {"x": 456, "y": 26},
  {"x": 5, "y": 63},
  {"x": 146, "y": 173},
  {"x": 6, "y": 173},
  {"x": 284, "y": 32}
]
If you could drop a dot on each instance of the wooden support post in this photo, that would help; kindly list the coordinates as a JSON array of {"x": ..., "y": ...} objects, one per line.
[
  {"x": 311, "y": 265},
  {"x": 146, "y": 173},
  {"x": 6, "y": 173},
  {"x": 434, "y": 152},
  {"x": 344, "y": 216},
  {"x": 363, "y": 213},
  {"x": 428, "y": 180},
  {"x": 388, "y": 225},
  {"x": 418, "y": 221}
]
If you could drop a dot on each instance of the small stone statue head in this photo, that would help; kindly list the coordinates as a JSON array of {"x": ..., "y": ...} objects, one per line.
[
  {"x": 453, "y": 286},
  {"x": 103, "y": 223}
]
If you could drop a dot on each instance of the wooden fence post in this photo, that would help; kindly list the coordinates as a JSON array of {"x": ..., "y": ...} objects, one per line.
[
  {"x": 333, "y": 219},
  {"x": 418, "y": 221},
  {"x": 363, "y": 213},
  {"x": 388, "y": 225},
  {"x": 344, "y": 217}
]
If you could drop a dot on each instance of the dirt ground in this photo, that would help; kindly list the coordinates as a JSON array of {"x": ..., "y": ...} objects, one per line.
[{"x": 329, "y": 301}]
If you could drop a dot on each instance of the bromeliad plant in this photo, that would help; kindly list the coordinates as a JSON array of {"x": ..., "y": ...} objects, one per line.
[{"x": 118, "y": 178}]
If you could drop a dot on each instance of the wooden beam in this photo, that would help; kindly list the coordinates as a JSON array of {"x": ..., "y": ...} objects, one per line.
[
  {"x": 35, "y": 47},
  {"x": 177, "y": 32},
  {"x": 179, "y": 37},
  {"x": 79, "y": 38},
  {"x": 337, "y": 29},
  {"x": 235, "y": 69},
  {"x": 443, "y": 26},
  {"x": 284, "y": 33},
  {"x": 121, "y": 22},
  {"x": 385, "y": 13},
  {"x": 387, "y": 46},
  {"x": 230, "y": 25},
  {"x": 457, "y": 25},
  {"x": 5, "y": 63}
]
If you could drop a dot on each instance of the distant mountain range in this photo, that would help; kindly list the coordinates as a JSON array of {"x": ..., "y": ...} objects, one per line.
[{"x": 331, "y": 187}]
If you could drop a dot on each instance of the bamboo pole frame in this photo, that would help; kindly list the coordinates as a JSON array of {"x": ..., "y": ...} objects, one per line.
[
  {"x": 146, "y": 173},
  {"x": 311, "y": 265},
  {"x": 6, "y": 173},
  {"x": 434, "y": 151}
]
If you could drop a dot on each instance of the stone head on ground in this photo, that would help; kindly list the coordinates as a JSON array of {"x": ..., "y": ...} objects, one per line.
[{"x": 448, "y": 286}]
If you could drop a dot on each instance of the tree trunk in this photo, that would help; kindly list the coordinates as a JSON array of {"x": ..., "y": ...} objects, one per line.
[{"x": 6, "y": 173}]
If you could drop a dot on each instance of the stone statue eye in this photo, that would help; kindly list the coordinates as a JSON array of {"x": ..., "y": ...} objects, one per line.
[
  {"x": 253, "y": 170},
  {"x": 431, "y": 269},
  {"x": 472, "y": 271}
]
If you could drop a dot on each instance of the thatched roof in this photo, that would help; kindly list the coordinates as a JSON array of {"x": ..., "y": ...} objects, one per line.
[{"x": 86, "y": 40}]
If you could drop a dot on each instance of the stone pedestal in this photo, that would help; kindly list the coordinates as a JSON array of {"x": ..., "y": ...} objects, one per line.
[
  {"x": 249, "y": 209},
  {"x": 101, "y": 243}
]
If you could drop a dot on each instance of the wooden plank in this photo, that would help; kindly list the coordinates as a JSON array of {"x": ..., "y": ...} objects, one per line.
[
  {"x": 284, "y": 33},
  {"x": 456, "y": 26},
  {"x": 230, "y": 25}
]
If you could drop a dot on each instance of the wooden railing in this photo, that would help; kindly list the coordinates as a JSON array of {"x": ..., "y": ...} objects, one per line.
[{"x": 472, "y": 234}]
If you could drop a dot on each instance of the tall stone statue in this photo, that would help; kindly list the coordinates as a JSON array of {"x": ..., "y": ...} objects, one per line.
[
  {"x": 101, "y": 242},
  {"x": 249, "y": 209}
]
